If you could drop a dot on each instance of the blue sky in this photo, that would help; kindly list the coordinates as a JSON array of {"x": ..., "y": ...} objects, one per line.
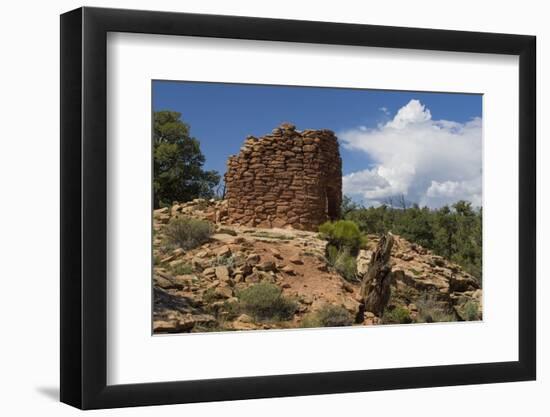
[{"x": 221, "y": 116}]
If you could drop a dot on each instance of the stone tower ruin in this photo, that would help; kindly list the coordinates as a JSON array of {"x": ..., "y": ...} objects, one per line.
[{"x": 285, "y": 179}]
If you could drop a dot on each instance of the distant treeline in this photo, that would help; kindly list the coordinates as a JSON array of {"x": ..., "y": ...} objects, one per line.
[{"x": 454, "y": 231}]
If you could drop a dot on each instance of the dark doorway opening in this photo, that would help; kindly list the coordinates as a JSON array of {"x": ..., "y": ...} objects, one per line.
[{"x": 333, "y": 211}]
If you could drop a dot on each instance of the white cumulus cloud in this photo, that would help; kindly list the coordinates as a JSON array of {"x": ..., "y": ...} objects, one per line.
[{"x": 431, "y": 162}]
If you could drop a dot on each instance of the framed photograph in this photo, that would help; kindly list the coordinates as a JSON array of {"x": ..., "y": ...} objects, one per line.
[{"x": 257, "y": 208}]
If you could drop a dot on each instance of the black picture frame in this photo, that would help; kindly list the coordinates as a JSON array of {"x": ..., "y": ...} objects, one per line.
[{"x": 84, "y": 207}]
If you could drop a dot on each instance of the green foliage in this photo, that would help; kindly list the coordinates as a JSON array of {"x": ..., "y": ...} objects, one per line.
[
  {"x": 265, "y": 301},
  {"x": 430, "y": 311},
  {"x": 187, "y": 232},
  {"x": 230, "y": 310},
  {"x": 396, "y": 315},
  {"x": 374, "y": 220},
  {"x": 454, "y": 232},
  {"x": 471, "y": 311},
  {"x": 348, "y": 206},
  {"x": 415, "y": 272},
  {"x": 343, "y": 262},
  {"x": 343, "y": 234},
  {"x": 328, "y": 316},
  {"x": 210, "y": 296},
  {"x": 344, "y": 241},
  {"x": 178, "y": 161},
  {"x": 182, "y": 269}
]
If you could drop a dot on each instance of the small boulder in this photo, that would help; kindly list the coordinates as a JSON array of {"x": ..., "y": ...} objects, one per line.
[
  {"x": 176, "y": 262},
  {"x": 244, "y": 322},
  {"x": 167, "y": 259},
  {"x": 351, "y": 305},
  {"x": 437, "y": 260},
  {"x": 267, "y": 266},
  {"x": 224, "y": 251},
  {"x": 407, "y": 257},
  {"x": 287, "y": 269},
  {"x": 253, "y": 259},
  {"x": 209, "y": 272},
  {"x": 296, "y": 260},
  {"x": 461, "y": 283},
  {"x": 223, "y": 291},
  {"x": 237, "y": 325},
  {"x": 164, "y": 283},
  {"x": 161, "y": 211},
  {"x": 222, "y": 273},
  {"x": 178, "y": 252},
  {"x": 245, "y": 318}
]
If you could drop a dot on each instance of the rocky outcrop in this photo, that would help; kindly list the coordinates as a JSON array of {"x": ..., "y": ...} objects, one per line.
[
  {"x": 419, "y": 274},
  {"x": 285, "y": 179},
  {"x": 198, "y": 289}
]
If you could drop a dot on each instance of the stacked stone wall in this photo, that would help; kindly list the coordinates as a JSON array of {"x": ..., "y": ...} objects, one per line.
[{"x": 288, "y": 178}]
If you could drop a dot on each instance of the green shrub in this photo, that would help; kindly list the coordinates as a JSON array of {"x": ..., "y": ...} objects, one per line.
[
  {"x": 182, "y": 269},
  {"x": 396, "y": 315},
  {"x": 415, "y": 272},
  {"x": 265, "y": 301},
  {"x": 471, "y": 311},
  {"x": 187, "y": 233},
  {"x": 343, "y": 234},
  {"x": 342, "y": 262},
  {"x": 430, "y": 311},
  {"x": 231, "y": 310},
  {"x": 328, "y": 316}
]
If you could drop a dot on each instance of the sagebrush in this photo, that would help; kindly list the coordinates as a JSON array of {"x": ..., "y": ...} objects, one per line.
[
  {"x": 187, "y": 232},
  {"x": 396, "y": 315},
  {"x": 182, "y": 269},
  {"x": 432, "y": 311},
  {"x": 471, "y": 311},
  {"x": 265, "y": 301},
  {"x": 328, "y": 316},
  {"x": 342, "y": 262}
]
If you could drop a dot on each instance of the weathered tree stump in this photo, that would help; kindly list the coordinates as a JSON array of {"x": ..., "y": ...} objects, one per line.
[{"x": 375, "y": 287}]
